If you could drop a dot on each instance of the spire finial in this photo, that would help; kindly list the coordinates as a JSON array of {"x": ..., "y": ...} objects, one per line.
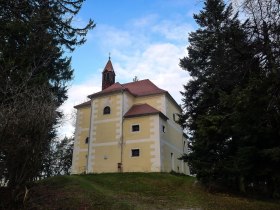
[{"x": 109, "y": 56}]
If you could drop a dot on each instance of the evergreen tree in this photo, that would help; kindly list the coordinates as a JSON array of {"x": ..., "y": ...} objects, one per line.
[
  {"x": 34, "y": 72},
  {"x": 232, "y": 103},
  {"x": 217, "y": 58},
  {"x": 260, "y": 118}
]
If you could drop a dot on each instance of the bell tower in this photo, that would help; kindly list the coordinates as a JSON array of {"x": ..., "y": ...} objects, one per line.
[{"x": 108, "y": 75}]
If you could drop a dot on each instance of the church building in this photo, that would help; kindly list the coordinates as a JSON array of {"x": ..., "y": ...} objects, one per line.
[{"x": 128, "y": 127}]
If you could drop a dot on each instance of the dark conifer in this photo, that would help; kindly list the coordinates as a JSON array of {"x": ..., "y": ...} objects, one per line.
[
  {"x": 217, "y": 61},
  {"x": 232, "y": 102},
  {"x": 35, "y": 38}
]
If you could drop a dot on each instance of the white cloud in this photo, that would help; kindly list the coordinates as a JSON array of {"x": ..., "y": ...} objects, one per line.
[
  {"x": 112, "y": 37},
  {"x": 160, "y": 64},
  {"x": 173, "y": 31},
  {"x": 145, "y": 21}
]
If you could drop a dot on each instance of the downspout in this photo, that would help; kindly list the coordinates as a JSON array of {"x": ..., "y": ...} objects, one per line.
[{"x": 89, "y": 137}]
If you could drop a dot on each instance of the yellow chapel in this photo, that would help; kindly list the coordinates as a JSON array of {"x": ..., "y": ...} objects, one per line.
[{"x": 128, "y": 127}]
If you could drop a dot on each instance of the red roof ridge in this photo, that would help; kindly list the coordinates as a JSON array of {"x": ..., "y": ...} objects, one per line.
[
  {"x": 113, "y": 88},
  {"x": 142, "y": 110},
  {"x": 137, "y": 81},
  {"x": 143, "y": 88}
]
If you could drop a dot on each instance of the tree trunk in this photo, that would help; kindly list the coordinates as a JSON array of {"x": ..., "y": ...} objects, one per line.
[{"x": 241, "y": 185}]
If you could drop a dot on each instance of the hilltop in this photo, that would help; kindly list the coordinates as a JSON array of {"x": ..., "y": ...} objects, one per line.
[{"x": 134, "y": 191}]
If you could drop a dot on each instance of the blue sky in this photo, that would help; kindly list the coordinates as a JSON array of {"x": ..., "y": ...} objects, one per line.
[{"x": 146, "y": 38}]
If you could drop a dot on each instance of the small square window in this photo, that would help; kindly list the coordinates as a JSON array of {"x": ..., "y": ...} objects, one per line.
[
  {"x": 135, "y": 128},
  {"x": 135, "y": 152}
]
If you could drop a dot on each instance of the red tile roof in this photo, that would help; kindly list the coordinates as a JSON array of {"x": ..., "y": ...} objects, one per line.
[
  {"x": 143, "y": 88},
  {"x": 142, "y": 110},
  {"x": 116, "y": 87},
  {"x": 138, "y": 88},
  {"x": 83, "y": 104}
]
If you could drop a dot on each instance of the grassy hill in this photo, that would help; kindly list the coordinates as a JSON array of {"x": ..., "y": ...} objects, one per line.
[{"x": 134, "y": 191}]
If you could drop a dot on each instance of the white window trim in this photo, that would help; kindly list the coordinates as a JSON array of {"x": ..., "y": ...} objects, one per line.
[
  {"x": 135, "y": 131},
  {"x": 134, "y": 149}
]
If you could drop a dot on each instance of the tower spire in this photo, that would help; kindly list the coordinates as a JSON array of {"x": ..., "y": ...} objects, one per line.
[{"x": 108, "y": 74}]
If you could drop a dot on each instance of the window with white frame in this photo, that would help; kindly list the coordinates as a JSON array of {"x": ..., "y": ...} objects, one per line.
[
  {"x": 135, "y": 153},
  {"x": 135, "y": 128}
]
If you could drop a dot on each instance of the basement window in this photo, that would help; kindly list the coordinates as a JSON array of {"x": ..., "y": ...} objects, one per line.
[
  {"x": 107, "y": 110},
  {"x": 135, "y": 128},
  {"x": 135, "y": 153}
]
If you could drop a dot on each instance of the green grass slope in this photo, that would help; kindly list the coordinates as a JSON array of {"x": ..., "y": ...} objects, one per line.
[{"x": 134, "y": 191}]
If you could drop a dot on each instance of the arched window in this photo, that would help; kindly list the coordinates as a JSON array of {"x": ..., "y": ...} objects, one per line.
[
  {"x": 107, "y": 76},
  {"x": 106, "y": 110}
]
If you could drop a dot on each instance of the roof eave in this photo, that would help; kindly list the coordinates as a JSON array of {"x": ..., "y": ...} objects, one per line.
[
  {"x": 81, "y": 105},
  {"x": 163, "y": 116},
  {"x": 103, "y": 94},
  {"x": 147, "y": 114},
  {"x": 140, "y": 115},
  {"x": 150, "y": 94},
  {"x": 173, "y": 100}
]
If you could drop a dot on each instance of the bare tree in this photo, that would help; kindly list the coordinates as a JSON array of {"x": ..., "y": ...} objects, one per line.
[
  {"x": 264, "y": 27},
  {"x": 26, "y": 120}
]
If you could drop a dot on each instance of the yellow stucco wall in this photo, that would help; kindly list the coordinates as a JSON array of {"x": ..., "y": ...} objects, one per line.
[
  {"x": 156, "y": 101},
  {"x": 108, "y": 100},
  {"x": 105, "y": 134},
  {"x": 171, "y": 108},
  {"x": 174, "y": 131},
  {"x": 80, "y": 147},
  {"x": 81, "y": 162},
  {"x": 172, "y": 141},
  {"x": 137, "y": 140},
  {"x": 112, "y": 139},
  {"x": 128, "y": 100},
  {"x": 138, "y": 163},
  {"x": 144, "y": 125},
  {"x": 146, "y": 140},
  {"x": 107, "y": 158}
]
